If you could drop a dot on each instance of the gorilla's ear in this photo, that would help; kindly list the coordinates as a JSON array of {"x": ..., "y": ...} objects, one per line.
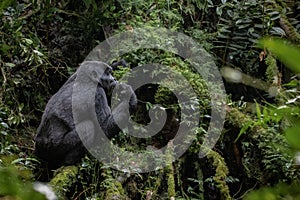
[{"x": 95, "y": 76}]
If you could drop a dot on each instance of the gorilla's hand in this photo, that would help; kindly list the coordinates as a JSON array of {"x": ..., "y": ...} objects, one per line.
[{"x": 126, "y": 91}]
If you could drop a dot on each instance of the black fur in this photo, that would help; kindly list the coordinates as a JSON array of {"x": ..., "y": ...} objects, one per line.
[{"x": 57, "y": 141}]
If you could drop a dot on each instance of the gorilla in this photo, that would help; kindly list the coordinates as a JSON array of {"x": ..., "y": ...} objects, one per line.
[{"x": 57, "y": 141}]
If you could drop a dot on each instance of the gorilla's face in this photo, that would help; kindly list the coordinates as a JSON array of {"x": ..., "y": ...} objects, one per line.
[{"x": 108, "y": 82}]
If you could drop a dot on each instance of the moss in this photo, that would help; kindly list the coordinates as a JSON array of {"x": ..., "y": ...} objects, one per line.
[
  {"x": 170, "y": 171},
  {"x": 272, "y": 70},
  {"x": 163, "y": 96},
  {"x": 63, "y": 179},
  {"x": 221, "y": 173},
  {"x": 267, "y": 155},
  {"x": 112, "y": 187},
  {"x": 237, "y": 118},
  {"x": 115, "y": 190}
]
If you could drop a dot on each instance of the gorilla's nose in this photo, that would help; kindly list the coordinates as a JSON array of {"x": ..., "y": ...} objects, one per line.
[{"x": 113, "y": 82}]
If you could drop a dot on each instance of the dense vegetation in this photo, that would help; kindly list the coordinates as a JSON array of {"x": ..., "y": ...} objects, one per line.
[{"x": 43, "y": 42}]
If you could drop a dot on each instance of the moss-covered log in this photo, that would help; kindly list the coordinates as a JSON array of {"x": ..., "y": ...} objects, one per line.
[
  {"x": 63, "y": 179},
  {"x": 266, "y": 153}
]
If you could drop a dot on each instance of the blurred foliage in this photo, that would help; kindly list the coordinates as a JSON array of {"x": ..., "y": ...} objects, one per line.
[
  {"x": 13, "y": 187},
  {"x": 281, "y": 191},
  {"x": 287, "y": 53}
]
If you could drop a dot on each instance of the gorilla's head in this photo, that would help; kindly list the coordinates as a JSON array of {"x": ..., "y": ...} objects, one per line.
[
  {"x": 97, "y": 72},
  {"x": 107, "y": 81}
]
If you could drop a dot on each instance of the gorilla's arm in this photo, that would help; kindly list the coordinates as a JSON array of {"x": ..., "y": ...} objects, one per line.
[
  {"x": 104, "y": 114},
  {"x": 107, "y": 118}
]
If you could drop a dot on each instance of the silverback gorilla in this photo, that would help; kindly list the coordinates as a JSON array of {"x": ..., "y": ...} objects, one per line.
[{"x": 57, "y": 141}]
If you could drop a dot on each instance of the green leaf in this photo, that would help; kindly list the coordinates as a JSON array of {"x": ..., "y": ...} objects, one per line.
[
  {"x": 243, "y": 130},
  {"x": 292, "y": 83},
  {"x": 293, "y": 136},
  {"x": 278, "y": 30},
  {"x": 11, "y": 65},
  {"x": 28, "y": 41},
  {"x": 287, "y": 53},
  {"x": 258, "y": 112},
  {"x": 148, "y": 105},
  {"x": 4, "y": 125},
  {"x": 219, "y": 11},
  {"x": 223, "y": 1}
]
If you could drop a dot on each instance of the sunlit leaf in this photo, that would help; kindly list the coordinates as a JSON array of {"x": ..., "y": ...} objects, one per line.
[
  {"x": 274, "y": 13},
  {"x": 219, "y": 11},
  {"x": 27, "y": 41},
  {"x": 4, "y": 125},
  {"x": 292, "y": 83},
  {"x": 38, "y": 53}
]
